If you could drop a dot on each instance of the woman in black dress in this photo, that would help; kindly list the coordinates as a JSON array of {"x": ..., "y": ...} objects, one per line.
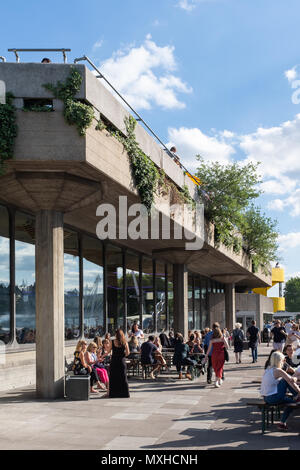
[{"x": 118, "y": 387}]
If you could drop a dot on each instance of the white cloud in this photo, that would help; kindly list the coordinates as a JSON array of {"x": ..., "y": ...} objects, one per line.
[
  {"x": 291, "y": 74},
  {"x": 290, "y": 240},
  {"x": 190, "y": 142},
  {"x": 190, "y": 5},
  {"x": 144, "y": 75},
  {"x": 98, "y": 44}
]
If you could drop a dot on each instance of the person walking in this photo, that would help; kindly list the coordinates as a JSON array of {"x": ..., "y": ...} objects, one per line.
[
  {"x": 254, "y": 340},
  {"x": 279, "y": 336},
  {"x": 118, "y": 387},
  {"x": 217, "y": 344},
  {"x": 238, "y": 338},
  {"x": 207, "y": 338}
]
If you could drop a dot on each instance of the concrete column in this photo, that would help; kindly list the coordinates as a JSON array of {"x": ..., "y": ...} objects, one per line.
[
  {"x": 230, "y": 316},
  {"x": 49, "y": 304},
  {"x": 180, "y": 286}
]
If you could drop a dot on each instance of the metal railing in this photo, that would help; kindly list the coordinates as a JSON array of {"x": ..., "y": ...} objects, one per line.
[
  {"x": 138, "y": 116},
  {"x": 16, "y": 51}
]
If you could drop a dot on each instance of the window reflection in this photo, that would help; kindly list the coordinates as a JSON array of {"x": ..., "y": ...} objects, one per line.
[
  {"x": 132, "y": 289},
  {"x": 190, "y": 303},
  {"x": 92, "y": 253},
  {"x": 71, "y": 285},
  {"x": 148, "y": 295},
  {"x": 115, "y": 288},
  {"x": 160, "y": 296},
  {"x": 25, "y": 278},
  {"x": 197, "y": 304},
  {"x": 4, "y": 277},
  {"x": 170, "y": 296}
]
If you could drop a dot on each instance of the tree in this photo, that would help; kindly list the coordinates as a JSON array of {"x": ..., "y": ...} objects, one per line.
[
  {"x": 292, "y": 294},
  {"x": 230, "y": 191},
  {"x": 259, "y": 236}
]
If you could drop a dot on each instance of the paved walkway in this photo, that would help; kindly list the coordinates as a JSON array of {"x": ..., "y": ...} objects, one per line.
[{"x": 167, "y": 414}]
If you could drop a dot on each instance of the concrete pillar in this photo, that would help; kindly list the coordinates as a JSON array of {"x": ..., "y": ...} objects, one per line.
[
  {"x": 49, "y": 304},
  {"x": 230, "y": 314},
  {"x": 181, "y": 316}
]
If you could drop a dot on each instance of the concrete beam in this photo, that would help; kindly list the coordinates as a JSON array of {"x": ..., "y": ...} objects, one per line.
[{"x": 49, "y": 304}]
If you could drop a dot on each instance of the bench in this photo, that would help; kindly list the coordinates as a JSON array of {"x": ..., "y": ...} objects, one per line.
[{"x": 267, "y": 410}]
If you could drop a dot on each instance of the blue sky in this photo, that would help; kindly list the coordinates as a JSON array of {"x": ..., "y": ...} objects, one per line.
[{"x": 193, "y": 69}]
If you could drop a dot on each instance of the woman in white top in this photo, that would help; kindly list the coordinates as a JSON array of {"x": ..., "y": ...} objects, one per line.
[{"x": 274, "y": 385}]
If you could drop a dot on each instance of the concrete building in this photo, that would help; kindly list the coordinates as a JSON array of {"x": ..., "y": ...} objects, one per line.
[{"x": 58, "y": 281}]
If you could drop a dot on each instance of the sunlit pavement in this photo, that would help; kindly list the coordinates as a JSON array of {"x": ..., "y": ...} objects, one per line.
[{"x": 164, "y": 414}]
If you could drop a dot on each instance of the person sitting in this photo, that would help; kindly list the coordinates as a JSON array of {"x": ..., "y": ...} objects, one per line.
[
  {"x": 274, "y": 385},
  {"x": 80, "y": 366},
  {"x": 96, "y": 362},
  {"x": 164, "y": 340},
  {"x": 134, "y": 347},
  {"x": 171, "y": 339},
  {"x": 181, "y": 357},
  {"x": 158, "y": 354},
  {"x": 148, "y": 350},
  {"x": 46, "y": 60}
]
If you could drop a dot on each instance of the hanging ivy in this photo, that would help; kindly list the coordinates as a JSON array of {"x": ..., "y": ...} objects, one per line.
[
  {"x": 8, "y": 130},
  {"x": 75, "y": 112},
  {"x": 144, "y": 171}
]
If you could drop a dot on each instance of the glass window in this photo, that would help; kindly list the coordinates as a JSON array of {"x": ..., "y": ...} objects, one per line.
[
  {"x": 115, "y": 301},
  {"x": 132, "y": 289},
  {"x": 92, "y": 254},
  {"x": 170, "y": 296},
  {"x": 197, "y": 296},
  {"x": 204, "y": 298},
  {"x": 25, "y": 278},
  {"x": 148, "y": 295},
  {"x": 4, "y": 277},
  {"x": 71, "y": 285},
  {"x": 190, "y": 303},
  {"x": 160, "y": 296}
]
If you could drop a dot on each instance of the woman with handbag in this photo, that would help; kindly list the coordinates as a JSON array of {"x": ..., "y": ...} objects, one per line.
[{"x": 218, "y": 344}]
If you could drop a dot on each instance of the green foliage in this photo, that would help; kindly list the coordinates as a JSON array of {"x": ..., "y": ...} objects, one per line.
[
  {"x": 8, "y": 130},
  {"x": 187, "y": 199},
  {"x": 144, "y": 171},
  {"x": 292, "y": 294},
  {"x": 231, "y": 189},
  {"x": 260, "y": 236},
  {"x": 75, "y": 112},
  {"x": 100, "y": 126}
]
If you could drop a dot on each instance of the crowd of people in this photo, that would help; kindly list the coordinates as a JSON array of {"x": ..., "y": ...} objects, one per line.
[{"x": 107, "y": 360}]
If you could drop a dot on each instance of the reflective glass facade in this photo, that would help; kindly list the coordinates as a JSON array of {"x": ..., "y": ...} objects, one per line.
[{"x": 105, "y": 286}]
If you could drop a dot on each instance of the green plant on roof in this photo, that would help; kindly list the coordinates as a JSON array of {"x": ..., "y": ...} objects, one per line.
[{"x": 75, "y": 112}]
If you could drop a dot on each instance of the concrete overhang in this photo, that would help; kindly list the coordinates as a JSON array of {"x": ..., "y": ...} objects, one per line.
[{"x": 55, "y": 168}]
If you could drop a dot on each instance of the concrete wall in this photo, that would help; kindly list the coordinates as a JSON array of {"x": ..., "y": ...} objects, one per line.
[{"x": 19, "y": 369}]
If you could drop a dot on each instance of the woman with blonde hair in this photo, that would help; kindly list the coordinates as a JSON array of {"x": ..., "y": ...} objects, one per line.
[
  {"x": 81, "y": 367},
  {"x": 217, "y": 343},
  {"x": 274, "y": 385},
  {"x": 96, "y": 362}
]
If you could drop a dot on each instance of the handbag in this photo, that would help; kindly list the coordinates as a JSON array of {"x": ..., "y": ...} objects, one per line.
[{"x": 226, "y": 355}]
